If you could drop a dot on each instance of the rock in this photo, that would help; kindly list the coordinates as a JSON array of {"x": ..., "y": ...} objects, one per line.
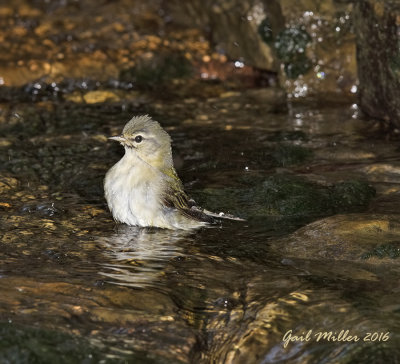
[
  {"x": 94, "y": 97},
  {"x": 4, "y": 142},
  {"x": 254, "y": 331},
  {"x": 309, "y": 43},
  {"x": 272, "y": 98},
  {"x": 234, "y": 26},
  {"x": 360, "y": 238},
  {"x": 287, "y": 196},
  {"x": 7, "y": 183},
  {"x": 378, "y": 58}
]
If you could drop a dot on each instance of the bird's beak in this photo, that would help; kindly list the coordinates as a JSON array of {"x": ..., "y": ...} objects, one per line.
[{"x": 118, "y": 138}]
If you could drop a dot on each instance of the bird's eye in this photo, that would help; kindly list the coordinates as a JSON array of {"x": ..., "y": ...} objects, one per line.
[{"x": 138, "y": 139}]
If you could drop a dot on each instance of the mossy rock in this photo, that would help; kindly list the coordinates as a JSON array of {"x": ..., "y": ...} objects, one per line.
[
  {"x": 388, "y": 250},
  {"x": 24, "y": 344},
  {"x": 20, "y": 344},
  {"x": 290, "y": 46},
  {"x": 290, "y": 154},
  {"x": 288, "y": 196}
]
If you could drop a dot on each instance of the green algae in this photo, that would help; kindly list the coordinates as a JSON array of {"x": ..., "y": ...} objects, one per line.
[
  {"x": 290, "y": 45},
  {"x": 21, "y": 344},
  {"x": 289, "y": 196},
  {"x": 284, "y": 135},
  {"x": 30, "y": 345},
  {"x": 389, "y": 250},
  {"x": 289, "y": 154}
]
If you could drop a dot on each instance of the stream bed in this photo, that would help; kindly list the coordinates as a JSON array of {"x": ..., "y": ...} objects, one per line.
[{"x": 317, "y": 254}]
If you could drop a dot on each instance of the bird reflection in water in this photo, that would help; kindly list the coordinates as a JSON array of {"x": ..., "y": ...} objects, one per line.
[{"x": 137, "y": 256}]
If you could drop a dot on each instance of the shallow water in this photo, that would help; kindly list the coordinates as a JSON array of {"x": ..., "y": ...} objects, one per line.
[{"x": 78, "y": 287}]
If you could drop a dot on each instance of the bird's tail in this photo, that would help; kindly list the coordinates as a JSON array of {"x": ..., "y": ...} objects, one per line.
[{"x": 222, "y": 215}]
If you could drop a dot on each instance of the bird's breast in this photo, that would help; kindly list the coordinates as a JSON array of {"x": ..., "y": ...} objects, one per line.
[{"x": 132, "y": 192}]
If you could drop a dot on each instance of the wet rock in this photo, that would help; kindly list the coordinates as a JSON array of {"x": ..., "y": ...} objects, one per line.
[
  {"x": 155, "y": 70},
  {"x": 5, "y": 205},
  {"x": 378, "y": 58},
  {"x": 234, "y": 27},
  {"x": 257, "y": 331},
  {"x": 288, "y": 196},
  {"x": 142, "y": 320},
  {"x": 27, "y": 344},
  {"x": 94, "y": 97},
  {"x": 5, "y": 142},
  {"x": 272, "y": 99},
  {"x": 44, "y": 208},
  {"x": 346, "y": 154},
  {"x": 13, "y": 76},
  {"x": 382, "y": 172},
  {"x": 373, "y": 239},
  {"x": 289, "y": 154},
  {"x": 310, "y": 44},
  {"x": 7, "y": 183},
  {"x": 290, "y": 45},
  {"x": 100, "y": 138}
]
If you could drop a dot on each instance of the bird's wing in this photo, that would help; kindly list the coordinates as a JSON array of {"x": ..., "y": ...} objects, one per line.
[{"x": 175, "y": 197}]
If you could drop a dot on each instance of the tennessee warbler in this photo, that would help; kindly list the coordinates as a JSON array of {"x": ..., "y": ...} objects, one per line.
[{"x": 144, "y": 189}]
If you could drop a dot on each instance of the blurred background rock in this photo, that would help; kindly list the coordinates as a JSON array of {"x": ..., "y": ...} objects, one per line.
[{"x": 307, "y": 47}]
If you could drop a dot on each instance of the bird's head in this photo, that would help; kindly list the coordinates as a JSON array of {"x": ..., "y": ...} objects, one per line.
[{"x": 145, "y": 137}]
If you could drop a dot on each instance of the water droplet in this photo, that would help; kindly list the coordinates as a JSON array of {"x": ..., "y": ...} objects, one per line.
[{"x": 239, "y": 64}]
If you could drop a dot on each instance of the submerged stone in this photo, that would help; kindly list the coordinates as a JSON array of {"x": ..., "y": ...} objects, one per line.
[
  {"x": 390, "y": 250},
  {"x": 7, "y": 183},
  {"x": 367, "y": 238},
  {"x": 288, "y": 196},
  {"x": 21, "y": 344},
  {"x": 289, "y": 154}
]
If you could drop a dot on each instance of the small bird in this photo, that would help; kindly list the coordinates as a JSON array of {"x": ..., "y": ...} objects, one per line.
[{"x": 144, "y": 189}]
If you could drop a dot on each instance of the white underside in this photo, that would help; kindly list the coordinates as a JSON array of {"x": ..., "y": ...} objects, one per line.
[{"x": 133, "y": 192}]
